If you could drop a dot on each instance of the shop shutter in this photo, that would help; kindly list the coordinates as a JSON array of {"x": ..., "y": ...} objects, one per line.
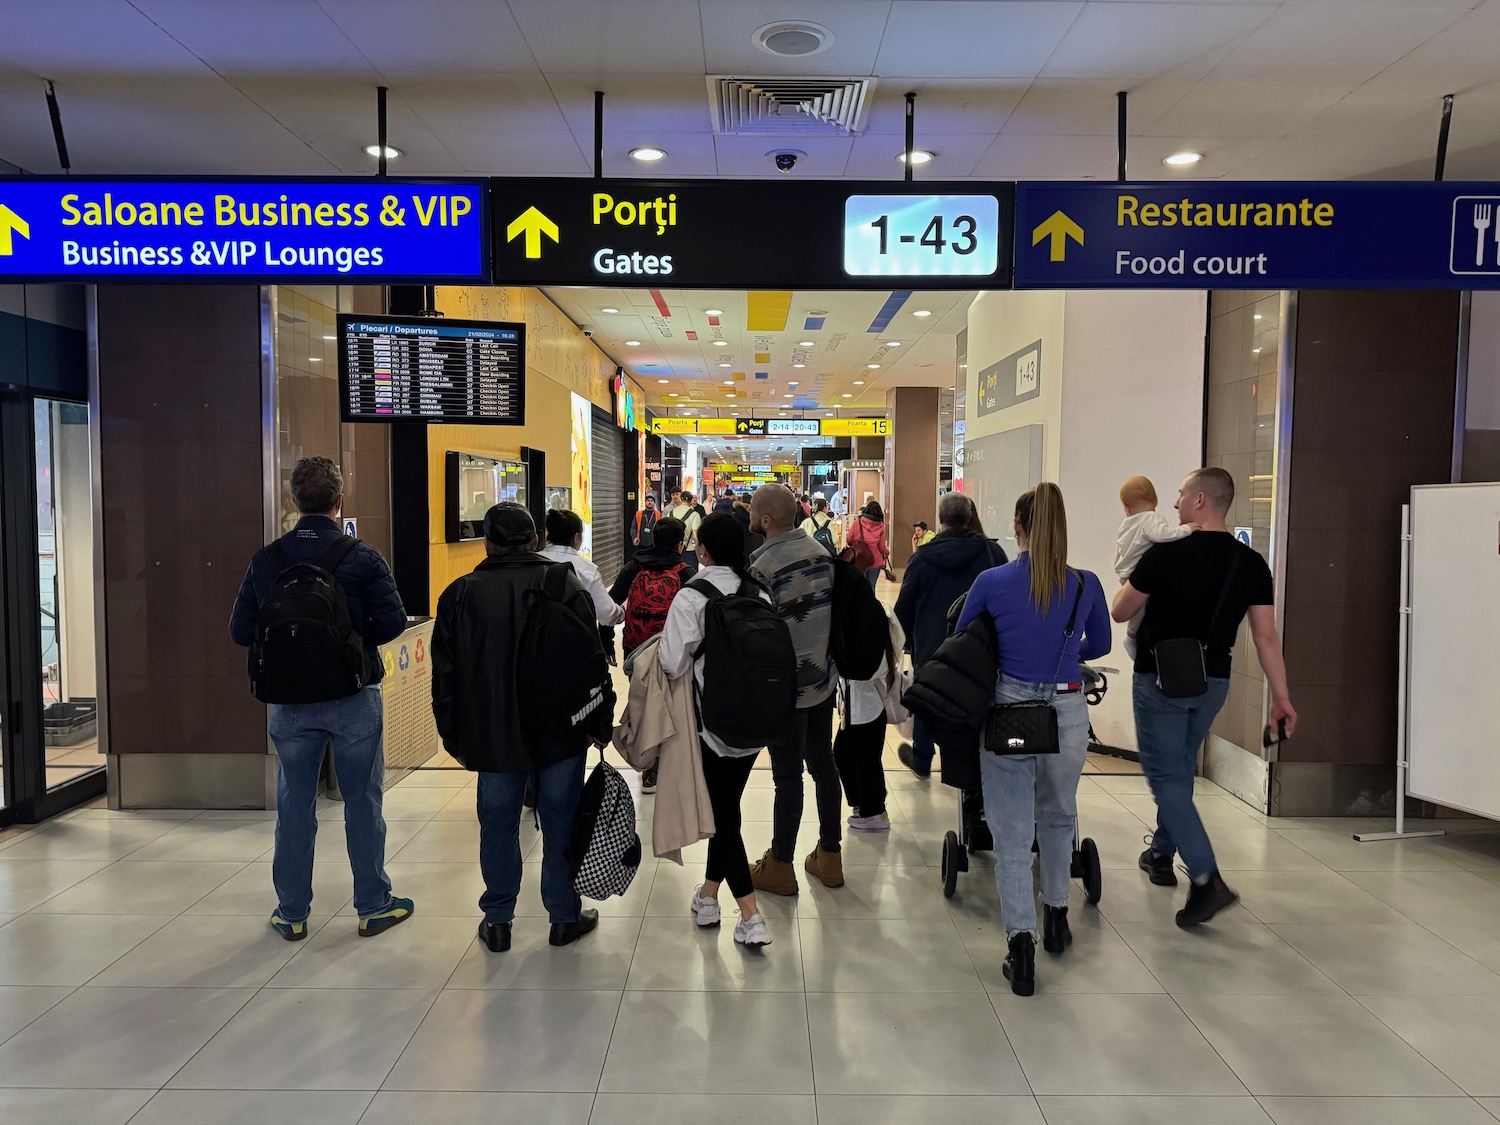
[{"x": 607, "y": 477}]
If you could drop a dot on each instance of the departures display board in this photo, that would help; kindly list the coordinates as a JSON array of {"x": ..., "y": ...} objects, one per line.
[{"x": 417, "y": 369}]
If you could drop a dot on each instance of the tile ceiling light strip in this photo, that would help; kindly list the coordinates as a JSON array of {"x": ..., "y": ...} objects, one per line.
[
  {"x": 767, "y": 310},
  {"x": 888, "y": 310}
]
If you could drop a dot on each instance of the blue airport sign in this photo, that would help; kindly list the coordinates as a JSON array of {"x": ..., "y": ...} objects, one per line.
[
  {"x": 1214, "y": 235},
  {"x": 251, "y": 230}
]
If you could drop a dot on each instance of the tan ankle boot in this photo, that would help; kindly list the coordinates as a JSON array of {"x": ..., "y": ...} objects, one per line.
[
  {"x": 771, "y": 875},
  {"x": 826, "y": 867}
]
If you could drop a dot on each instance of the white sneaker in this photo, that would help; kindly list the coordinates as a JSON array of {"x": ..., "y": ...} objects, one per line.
[
  {"x": 705, "y": 910},
  {"x": 752, "y": 931},
  {"x": 879, "y": 823}
]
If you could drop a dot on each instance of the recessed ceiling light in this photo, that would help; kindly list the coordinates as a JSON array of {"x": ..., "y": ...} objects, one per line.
[
  {"x": 391, "y": 152},
  {"x": 609, "y": 310},
  {"x": 1182, "y": 159},
  {"x": 791, "y": 382},
  {"x": 1255, "y": 351},
  {"x": 648, "y": 153},
  {"x": 729, "y": 394},
  {"x": 847, "y": 395},
  {"x": 921, "y": 312},
  {"x": 664, "y": 380},
  {"x": 829, "y": 414},
  {"x": 729, "y": 382},
  {"x": 319, "y": 359},
  {"x": 1257, "y": 317},
  {"x": 672, "y": 394},
  {"x": 788, "y": 396},
  {"x": 807, "y": 344},
  {"x": 721, "y": 343},
  {"x": 632, "y": 343},
  {"x": 919, "y": 156},
  {"x": 892, "y": 344},
  {"x": 726, "y": 365},
  {"x": 799, "y": 366},
  {"x": 859, "y": 382},
  {"x": 713, "y": 312},
  {"x": 873, "y": 366},
  {"x": 335, "y": 337}
]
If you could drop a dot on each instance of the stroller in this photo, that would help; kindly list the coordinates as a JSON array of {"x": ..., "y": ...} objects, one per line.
[{"x": 974, "y": 835}]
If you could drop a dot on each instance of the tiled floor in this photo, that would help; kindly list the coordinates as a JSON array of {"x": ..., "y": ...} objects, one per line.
[{"x": 139, "y": 983}]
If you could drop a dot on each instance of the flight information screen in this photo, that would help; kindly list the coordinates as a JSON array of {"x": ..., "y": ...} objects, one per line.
[{"x": 419, "y": 369}]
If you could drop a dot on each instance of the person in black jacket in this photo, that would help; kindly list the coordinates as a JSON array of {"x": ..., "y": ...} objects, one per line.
[
  {"x": 353, "y": 726},
  {"x": 475, "y": 700},
  {"x": 937, "y": 576}
]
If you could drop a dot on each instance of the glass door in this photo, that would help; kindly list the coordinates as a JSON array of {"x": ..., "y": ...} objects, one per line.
[{"x": 49, "y": 714}]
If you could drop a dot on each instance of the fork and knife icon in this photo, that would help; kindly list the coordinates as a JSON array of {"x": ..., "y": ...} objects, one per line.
[{"x": 1484, "y": 216}]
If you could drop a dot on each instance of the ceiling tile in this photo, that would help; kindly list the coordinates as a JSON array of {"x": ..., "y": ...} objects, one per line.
[
  {"x": 1135, "y": 41},
  {"x": 875, "y": 157},
  {"x": 265, "y": 37},
  {"x": 1045, "y": 158},
  {"x": 671, "y": 103},
  {"x": 487, "y": 152},
  {"x": 613, "y": 36},
  {"x": 1075, "y": 108},
  {"x": 688, "y": 154},
  {"x": 944, "y": 105},
  {"x": 1331, "y": 43},
  {"x": 1222, "y": 156},
  {"x": 748, "y": 156},
  {"x": 1245, "y": 108},
  {"x": 857, "y": 26},
  {"x": 398, "y": 36},
  {"x": 1460, "y": 57},
  {"x": 957, "y": 39},
  {"x": 481, "y": 101},
  {"x": 50, "y": 39}
]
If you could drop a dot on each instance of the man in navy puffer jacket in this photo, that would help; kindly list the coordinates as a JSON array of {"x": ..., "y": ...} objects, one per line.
[{"x": 353, "y": 725}]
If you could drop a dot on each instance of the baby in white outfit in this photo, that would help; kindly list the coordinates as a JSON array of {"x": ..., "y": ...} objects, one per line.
[{"x": 1142, "y": 529}]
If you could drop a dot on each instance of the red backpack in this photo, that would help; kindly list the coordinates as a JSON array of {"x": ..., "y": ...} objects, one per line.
[{"x": 646, "y": 605}]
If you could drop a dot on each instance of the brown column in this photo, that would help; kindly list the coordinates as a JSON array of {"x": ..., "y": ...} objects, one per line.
[{"x": 911, "y": 464}]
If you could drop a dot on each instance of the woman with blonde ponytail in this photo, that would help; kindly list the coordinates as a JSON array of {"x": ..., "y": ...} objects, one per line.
[{"x": 1048, "y": 618}]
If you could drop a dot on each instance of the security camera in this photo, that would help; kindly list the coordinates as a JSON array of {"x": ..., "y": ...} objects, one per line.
[
  {"x": 786, "y": 161},
  {"x": 588, "y": 333}
]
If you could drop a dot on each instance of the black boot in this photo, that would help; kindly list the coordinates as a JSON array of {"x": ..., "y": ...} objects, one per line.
[
  {"x": 566, "y": 933},
  {"x": 495, "y": 935},
  {"x": 1205, "y": 900},
  {"x": 1020, "y": 965},
  {"x": 1056, "y": 936}
]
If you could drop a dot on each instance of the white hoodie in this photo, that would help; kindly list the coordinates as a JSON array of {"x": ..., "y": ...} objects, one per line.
[{"x": 1138, "y": 534}]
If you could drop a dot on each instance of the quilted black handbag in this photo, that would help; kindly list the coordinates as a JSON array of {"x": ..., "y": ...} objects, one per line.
[{"x": 1030, "y": 727}]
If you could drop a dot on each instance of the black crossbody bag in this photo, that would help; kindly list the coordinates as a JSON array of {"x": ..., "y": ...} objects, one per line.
[
  {"x": 1181, "y": 672},
  {"x": 1030, "y": 727}
]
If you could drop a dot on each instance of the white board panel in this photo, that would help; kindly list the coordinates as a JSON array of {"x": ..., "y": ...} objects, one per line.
[{"x": 1454, "y": 653}]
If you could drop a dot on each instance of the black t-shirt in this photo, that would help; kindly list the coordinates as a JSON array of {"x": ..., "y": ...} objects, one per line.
[{"x": 1185, "y": 579}]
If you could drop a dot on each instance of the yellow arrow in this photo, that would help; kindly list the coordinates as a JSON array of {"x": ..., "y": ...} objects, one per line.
[
  {"x": 10, "y": 221},
  {"x": 1059, "y": 228},
  {"x": 534, "y": 224}
]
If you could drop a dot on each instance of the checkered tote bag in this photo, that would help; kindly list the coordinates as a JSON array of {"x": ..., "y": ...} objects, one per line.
[{"x": 606, "y": 852}]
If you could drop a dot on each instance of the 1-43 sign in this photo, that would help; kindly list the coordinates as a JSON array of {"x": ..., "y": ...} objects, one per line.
[{"x": 921, "y": 235}]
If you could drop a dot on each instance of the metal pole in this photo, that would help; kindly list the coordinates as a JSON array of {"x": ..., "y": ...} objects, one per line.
[
  {"x": 57, "y": 129},
  {"x": 1121, "y": 98},
  {"x": 1402, "y": 691},
  {"x": 911, "y": 131},
  {"x": 380, "y": 92},
  {"x": 1442, "y": 152},
  {"x": 598, "y": 134}
]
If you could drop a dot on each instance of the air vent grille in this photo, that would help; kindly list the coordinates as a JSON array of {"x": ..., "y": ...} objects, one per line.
[{"x": 786, "y": 107}]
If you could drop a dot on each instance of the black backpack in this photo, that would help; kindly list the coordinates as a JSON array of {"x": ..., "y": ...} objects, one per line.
[
  {"x": 562, "y": 676},
  {"x": 305, "y": 648},
  {"x": 606, "y": 851},
  {"x": 861, "y": 631},
  {"x": 749, "y": 668}
]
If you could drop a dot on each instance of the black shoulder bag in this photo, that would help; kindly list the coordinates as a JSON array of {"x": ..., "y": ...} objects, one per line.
[
  {"x": 1030, "y": 727},
  {"x": 1181, "y": 672}
]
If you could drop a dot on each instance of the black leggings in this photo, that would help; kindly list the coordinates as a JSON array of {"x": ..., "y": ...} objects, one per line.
[
  {"x": 726, "y": 779},
  {"x": 858, "y": 751}
]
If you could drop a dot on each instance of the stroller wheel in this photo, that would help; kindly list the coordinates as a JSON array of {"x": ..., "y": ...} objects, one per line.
[
  {"x": 952, "y": 853},
  {"x": 1092, "y": 876}
]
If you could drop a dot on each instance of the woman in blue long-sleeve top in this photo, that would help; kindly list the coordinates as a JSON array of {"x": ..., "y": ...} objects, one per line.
[{"x": 1031, "y": 601}]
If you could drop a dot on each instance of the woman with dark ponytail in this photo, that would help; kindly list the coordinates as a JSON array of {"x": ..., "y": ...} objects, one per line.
[
  {"x": 564, "y": 537},
  {"x": 1048, "y": 617}
]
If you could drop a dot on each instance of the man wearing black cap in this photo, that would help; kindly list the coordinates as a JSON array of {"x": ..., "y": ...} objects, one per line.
[{"x": 487, "y": 725}]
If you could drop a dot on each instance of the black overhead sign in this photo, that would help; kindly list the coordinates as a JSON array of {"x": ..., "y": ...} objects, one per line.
[{"x": 826, "y": 234}]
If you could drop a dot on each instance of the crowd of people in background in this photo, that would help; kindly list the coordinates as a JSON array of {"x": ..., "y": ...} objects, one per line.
[{"x": 751, "y": 627}]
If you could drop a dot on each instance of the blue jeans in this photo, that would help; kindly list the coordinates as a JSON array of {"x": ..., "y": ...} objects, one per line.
[
  {"x": 1169, "y": 733},
  {"x": 922, "y": 748},
  {"x": 1035, "y": 797},
  {"x": 872, "y": 574},
  {"x": 557, "y": 791},
  {"x": 301, "y": 733},
  {"x": 690, "y": 560}
]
